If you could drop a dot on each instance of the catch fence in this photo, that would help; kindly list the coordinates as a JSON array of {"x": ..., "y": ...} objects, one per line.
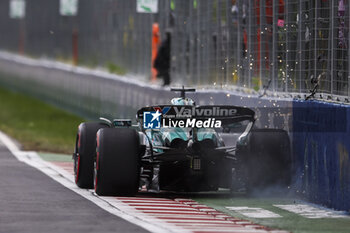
[{"x": 280, "y": 45}]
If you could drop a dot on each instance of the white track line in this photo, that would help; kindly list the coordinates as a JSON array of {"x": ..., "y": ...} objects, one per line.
[
  {"x": 313, "y": 211},
  {"x": 145, "y": 204},
  {"x": 142, "y": 198},
  {"x": 161, "y": 208},
  {"x": 171, "y": 216},
  {"x": 253, "y": 212},
  {"x": 173, "y": 212},
  {"x": 148, "y": 202}
]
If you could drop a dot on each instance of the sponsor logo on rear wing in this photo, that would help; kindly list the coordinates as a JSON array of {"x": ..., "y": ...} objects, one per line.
[{"x": 209, "y": 116}]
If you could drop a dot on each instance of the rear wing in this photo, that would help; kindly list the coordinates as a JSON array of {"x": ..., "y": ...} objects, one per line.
[{"x": 227, "y": 114}]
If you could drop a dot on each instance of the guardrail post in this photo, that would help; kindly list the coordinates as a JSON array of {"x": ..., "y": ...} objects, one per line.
[
  {"x": 274, "y": 65},
  {"x": 332, "y": 47},
  {"x": 300, "y": 43},
  {"x": 250, "y": 42},
  {"x": 75, "y": 47}
]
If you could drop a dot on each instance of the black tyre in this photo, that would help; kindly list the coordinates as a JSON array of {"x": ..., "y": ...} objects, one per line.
[
  {"x": 85, "y": 150},
  {"x": 267, "y": 159},
  {"x": 117, "y": 168}
]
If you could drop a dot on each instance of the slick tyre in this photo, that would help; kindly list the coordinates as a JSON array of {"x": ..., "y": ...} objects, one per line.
[
  {"x": 117, "y": 167},
  {"x": 267, "y": 159},
  {"x": 85, "y": 150}
]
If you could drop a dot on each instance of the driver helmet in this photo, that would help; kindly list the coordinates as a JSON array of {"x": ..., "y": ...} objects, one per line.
[{"x": 182, "y": 101}]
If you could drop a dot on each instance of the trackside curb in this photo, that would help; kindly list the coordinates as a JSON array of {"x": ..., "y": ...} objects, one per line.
[{"x": 63, "y": 177}]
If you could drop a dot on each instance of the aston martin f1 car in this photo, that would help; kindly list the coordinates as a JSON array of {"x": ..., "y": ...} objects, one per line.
[{"x": 180, "y": 147}]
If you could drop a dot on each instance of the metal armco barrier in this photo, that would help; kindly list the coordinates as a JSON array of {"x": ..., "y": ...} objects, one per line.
[{"x": 321, "y": 148}]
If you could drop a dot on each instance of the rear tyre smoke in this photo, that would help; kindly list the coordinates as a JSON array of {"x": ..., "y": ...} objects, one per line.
[{"x": 266, "y": 159}]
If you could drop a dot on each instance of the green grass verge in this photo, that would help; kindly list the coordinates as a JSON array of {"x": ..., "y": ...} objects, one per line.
[
  {"x": 289, "y": 221},
  {"x": 115, "y": 69},
  {"x": 37, "y": 125}
]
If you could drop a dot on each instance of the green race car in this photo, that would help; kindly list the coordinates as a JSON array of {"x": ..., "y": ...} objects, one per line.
[{"x": 180, "y": 147}]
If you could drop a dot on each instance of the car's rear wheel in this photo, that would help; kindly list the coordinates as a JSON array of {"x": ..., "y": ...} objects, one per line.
[
  {"x": 117, "y": 168},
  {"x": 85, "y": 149},
  {"x": 267, "y": 159}
]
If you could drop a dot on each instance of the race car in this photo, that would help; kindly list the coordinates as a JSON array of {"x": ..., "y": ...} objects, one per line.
[{"x": 181, "y": 147}]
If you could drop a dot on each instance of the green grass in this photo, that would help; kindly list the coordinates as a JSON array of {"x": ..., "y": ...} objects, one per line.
[
  {"x": 115, "y": 69},
  {"x": 37, "y": 125}
]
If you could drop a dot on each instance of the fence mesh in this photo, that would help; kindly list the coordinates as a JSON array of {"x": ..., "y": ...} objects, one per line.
[{"x": 280, "y": 45}]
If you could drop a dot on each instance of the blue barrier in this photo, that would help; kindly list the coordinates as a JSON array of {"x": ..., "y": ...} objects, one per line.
[{"x": 321, "y": 145}]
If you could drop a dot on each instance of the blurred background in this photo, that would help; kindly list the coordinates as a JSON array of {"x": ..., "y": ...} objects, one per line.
[{"x": 279, "y": 44}]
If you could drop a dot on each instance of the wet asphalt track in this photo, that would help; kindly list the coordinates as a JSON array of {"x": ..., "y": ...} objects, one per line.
[{"x": 30, "y": 201}]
